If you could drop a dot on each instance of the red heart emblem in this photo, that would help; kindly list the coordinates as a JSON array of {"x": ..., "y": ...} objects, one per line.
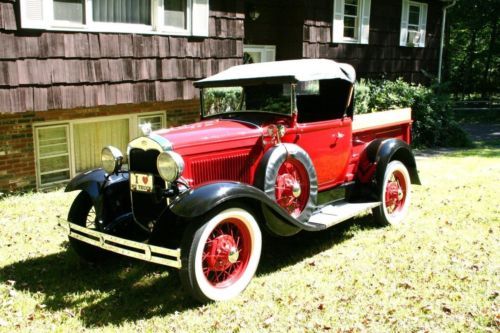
[{"x": 145, "y": 180}]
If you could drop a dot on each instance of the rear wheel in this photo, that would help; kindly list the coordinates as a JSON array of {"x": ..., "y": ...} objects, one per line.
[
  {"x": 394, "y": 194},
  {"x": 220, "y": 256},
  {"x": 82, "y": 213}
]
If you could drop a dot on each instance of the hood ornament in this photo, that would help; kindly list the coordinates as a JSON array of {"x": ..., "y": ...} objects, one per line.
[{"x": 146, "y": 128}]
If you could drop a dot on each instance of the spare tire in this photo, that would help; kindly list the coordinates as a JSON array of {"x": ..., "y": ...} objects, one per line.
[{"x": 287, "y": 175}]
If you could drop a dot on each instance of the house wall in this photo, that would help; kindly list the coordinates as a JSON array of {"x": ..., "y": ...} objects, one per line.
[
  {"x": 48, "y": 76},
  {"x": 382, "y": 57},
  {"x": 280, "y": 23},
  {"x": 17, "y": 148}
]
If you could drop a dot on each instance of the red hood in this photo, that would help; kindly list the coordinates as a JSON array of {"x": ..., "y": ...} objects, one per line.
[{"x": 210, "y": 134}]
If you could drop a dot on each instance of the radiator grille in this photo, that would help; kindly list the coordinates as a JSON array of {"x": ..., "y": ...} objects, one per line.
[
  {"x": 147, "y": 206},
  {"x": 236, "y": 167}
]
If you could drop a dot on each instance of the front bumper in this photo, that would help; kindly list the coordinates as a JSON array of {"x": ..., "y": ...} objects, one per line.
[{"x": 142, "y": 251}]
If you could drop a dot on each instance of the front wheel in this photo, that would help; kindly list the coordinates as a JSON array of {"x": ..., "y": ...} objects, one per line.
[
  {"x": 82, "y": 213},
  {"x": 220, "y": 256},
  {"x": 394, "y": 194}
]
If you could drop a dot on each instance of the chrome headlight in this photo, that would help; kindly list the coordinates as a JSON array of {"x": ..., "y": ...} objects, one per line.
[
  {"x": 170, "y": 166},
  {"x": 111, "y": 159}
]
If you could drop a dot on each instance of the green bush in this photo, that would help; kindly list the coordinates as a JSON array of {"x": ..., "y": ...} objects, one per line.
[{"x": 434, "y": 123}]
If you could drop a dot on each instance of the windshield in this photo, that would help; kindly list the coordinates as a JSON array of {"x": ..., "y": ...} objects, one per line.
[{"x": 274, "y": 98}]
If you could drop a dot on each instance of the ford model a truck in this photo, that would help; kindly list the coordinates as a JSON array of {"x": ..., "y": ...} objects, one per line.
[{"x": 277, "y": 150}]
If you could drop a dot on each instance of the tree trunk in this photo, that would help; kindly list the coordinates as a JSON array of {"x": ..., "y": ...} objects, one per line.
[
  {"x": 470, "y": 62},
  {"x": 486, "y": 84}
]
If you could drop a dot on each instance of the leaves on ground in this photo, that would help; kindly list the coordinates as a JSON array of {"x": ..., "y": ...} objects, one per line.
[{"x": 437, "y": 272}]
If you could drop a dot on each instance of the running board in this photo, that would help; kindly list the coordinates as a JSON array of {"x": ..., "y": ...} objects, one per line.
[{"x": 338, "y": 212}]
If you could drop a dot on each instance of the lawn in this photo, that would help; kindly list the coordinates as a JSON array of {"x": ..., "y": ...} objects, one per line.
[{"x": 437, "y": 272}]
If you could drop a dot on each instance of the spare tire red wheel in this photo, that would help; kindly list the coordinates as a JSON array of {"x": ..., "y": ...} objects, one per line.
[
  {"x": 290, "y": 179},
  {"x": 292, "y": 187}
]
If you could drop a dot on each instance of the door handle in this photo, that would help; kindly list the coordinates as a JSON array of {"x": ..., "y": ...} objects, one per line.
[{"x": 336, "y": 137}]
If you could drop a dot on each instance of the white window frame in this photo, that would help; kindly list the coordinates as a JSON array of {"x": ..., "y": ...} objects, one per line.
[
  {"x": 364, "y": 8},
  {"x": 405, "y": 12},
  {"x": 39, "y": 14},
  {"x": 37, "y": 155},
  {"x": 171, "y": 29},
  {"x": 267, "y": 52},
  {"x": 134, "y": 131}
]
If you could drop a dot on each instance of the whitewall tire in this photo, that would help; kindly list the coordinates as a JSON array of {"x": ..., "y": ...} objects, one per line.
[
  {"x": 220, "y": 256},
  {"x": 395, "y": 195}
]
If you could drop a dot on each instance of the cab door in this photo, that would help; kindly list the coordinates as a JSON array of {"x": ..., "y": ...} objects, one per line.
[{"x": 329, "y": 144}]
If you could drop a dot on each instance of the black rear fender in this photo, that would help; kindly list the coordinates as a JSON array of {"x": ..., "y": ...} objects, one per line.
[{"x": 395, "y": 149}]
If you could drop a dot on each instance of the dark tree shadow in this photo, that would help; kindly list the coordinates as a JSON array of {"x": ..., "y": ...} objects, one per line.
[{"x": 118, "y": 292}]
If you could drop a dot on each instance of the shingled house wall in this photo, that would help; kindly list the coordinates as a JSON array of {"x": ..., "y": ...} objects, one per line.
[
  {"x": 382, "y": 57},
  {"x": 48, "y": 76},
  {"x": 304, "y": 30}
]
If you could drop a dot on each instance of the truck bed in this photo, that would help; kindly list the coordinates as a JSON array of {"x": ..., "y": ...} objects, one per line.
[
  {"x": 379, "y": 125},
  {"x": 381, "y": 120}
]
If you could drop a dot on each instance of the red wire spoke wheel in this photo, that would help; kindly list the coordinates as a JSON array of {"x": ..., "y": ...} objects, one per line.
[
  {"x": 220, "y": 257},
  {"x": 292, "y": 187},
  {"x": 287, "y": 176},
  {"x": 226, "y": 253},
  {"x": 395, "y": 195}
]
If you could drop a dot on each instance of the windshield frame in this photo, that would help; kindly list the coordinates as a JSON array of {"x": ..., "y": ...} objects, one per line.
[{"x": 290, "y": 113}]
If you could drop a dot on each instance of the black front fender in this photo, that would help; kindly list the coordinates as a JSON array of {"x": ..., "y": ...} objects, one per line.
[
  {"x": 91, "y": 182},
  {"x": 199, "y": 201},
  {"x": 95, "y": 183}
]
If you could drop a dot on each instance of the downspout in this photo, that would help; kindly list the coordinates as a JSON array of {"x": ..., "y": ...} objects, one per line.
[{"x": 441, "y": 45}]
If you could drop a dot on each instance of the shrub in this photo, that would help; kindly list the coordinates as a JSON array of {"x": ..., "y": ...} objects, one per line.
[{"x": 434, "y": 123}]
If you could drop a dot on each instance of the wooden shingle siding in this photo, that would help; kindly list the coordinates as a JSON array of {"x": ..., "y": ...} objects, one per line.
[
  {"x": 7, "y": 16},
  {"x": 44, "y": 70},
  {"x": 382, "y": 57}
]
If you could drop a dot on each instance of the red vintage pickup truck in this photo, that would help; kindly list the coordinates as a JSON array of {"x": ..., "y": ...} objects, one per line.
[{"x": 277, "y": 150}]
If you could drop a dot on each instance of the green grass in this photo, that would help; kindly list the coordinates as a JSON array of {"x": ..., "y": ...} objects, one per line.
[{"x": 437, "y": 272}]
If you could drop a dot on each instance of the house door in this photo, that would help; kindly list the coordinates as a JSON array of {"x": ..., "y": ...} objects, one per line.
[{"x": 90, "y": 137}]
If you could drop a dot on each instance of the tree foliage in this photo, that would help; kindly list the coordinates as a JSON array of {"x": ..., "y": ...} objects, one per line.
[
  {"x": 473, "y": 60},
  {"x": 434, "y": 123}
]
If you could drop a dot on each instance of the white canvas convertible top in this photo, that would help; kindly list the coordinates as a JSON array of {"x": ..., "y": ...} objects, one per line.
[{"x": 288, "y": 71}]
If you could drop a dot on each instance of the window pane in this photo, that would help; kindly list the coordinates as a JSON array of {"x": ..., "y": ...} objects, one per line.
[
  {"x": 53, "y": 154},
  {"x": 175, "y": 13},
  {"x": 351, "y": 19},
  {"x": 349, "y": 32},
  {"x": 251, "y": 57},
  {"x": 266, "y": 98},
  {"x": 350, "y": 22},
  {"x": 413, "y": 17},
  {"x": 55, "y": 177},
  {"x": 351, "y": 10},
  {"x": 54, "y": 163},
  {"x": 155, "y": 121},
  {"x": 54, "y": 149},
  {"x": 122, "y": 11},
  {"x": 68, "y": 10}
]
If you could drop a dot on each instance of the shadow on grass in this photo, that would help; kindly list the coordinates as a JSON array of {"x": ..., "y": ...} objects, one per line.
[{"x": 129, "y": 290}]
